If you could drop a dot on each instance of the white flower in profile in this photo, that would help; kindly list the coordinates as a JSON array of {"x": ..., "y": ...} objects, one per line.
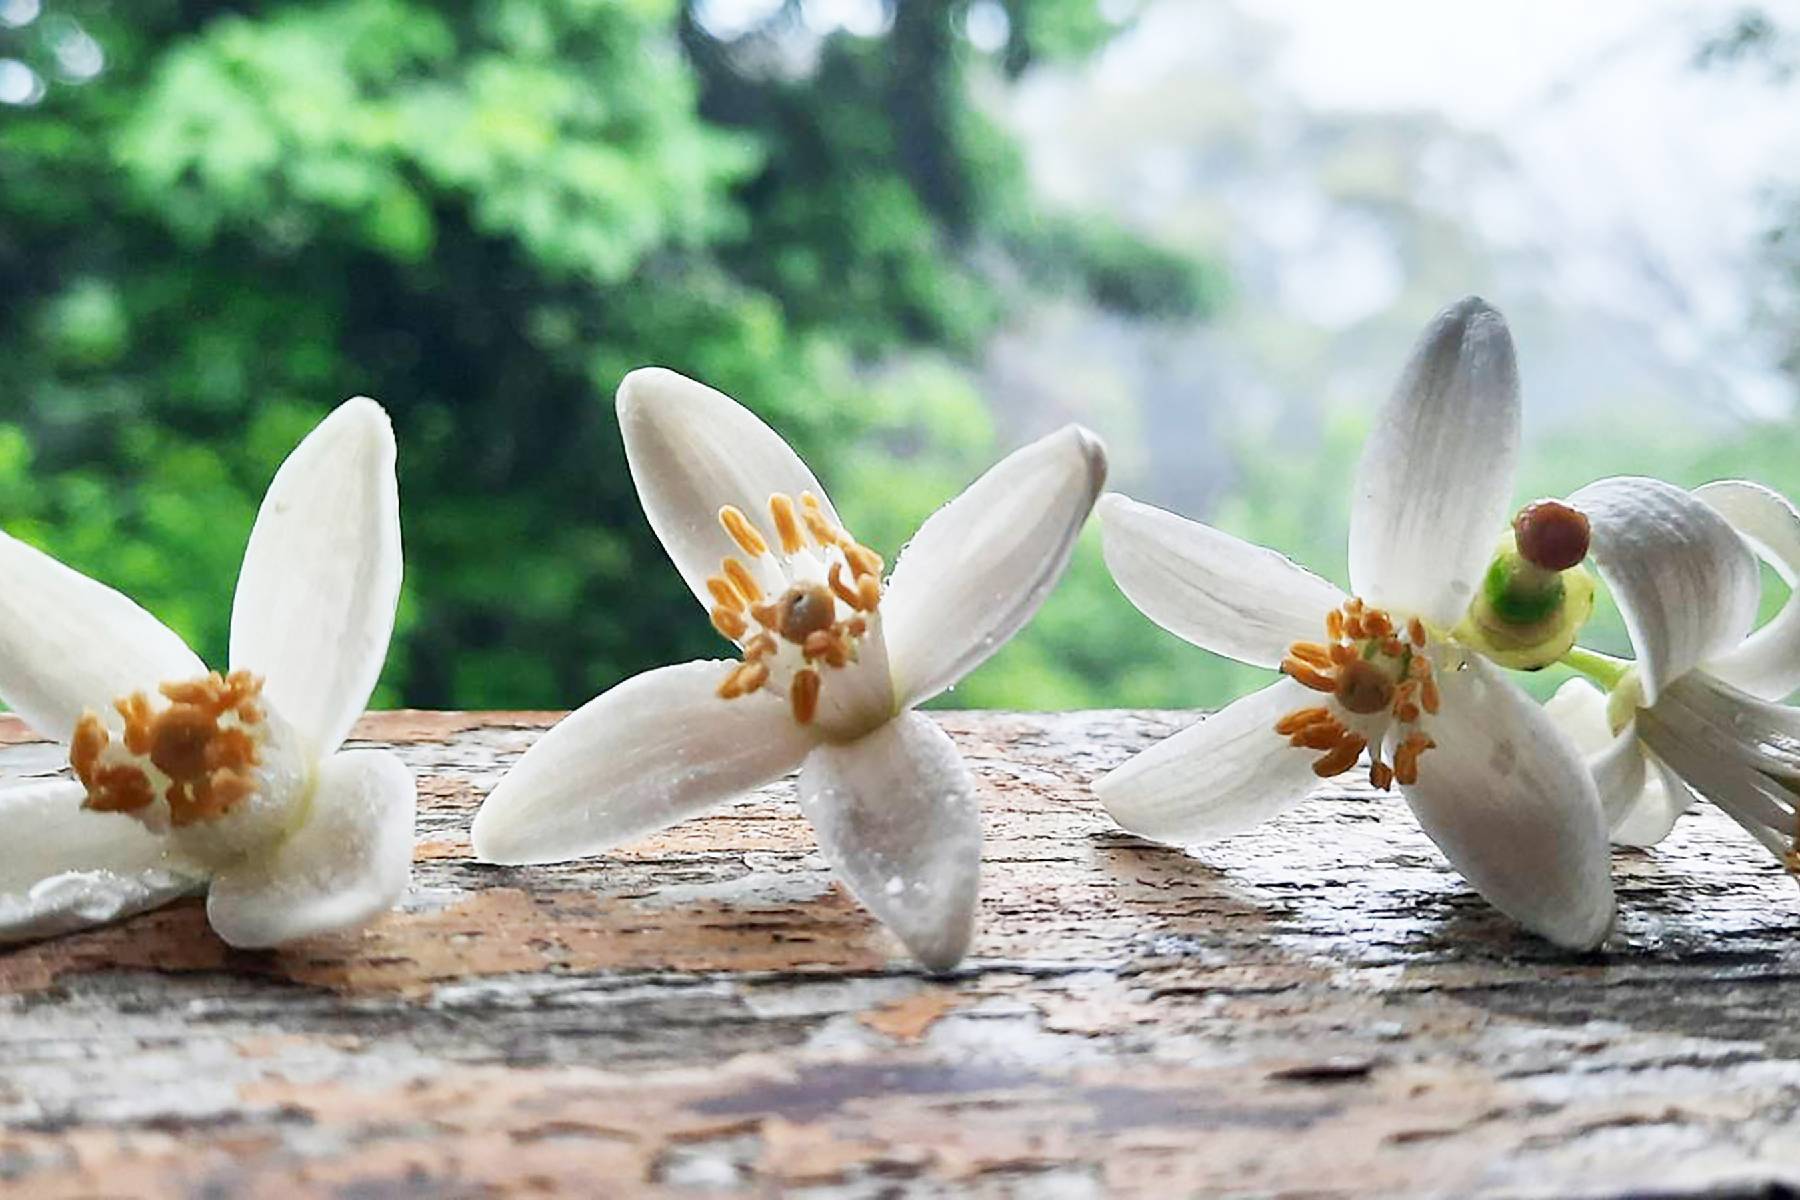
[
  {"x": 833, "y": 661},
  {"x": 1696, "y": 712},
  {"x": 188, "y": 779},
  {"x": 1497, "y": 787}
]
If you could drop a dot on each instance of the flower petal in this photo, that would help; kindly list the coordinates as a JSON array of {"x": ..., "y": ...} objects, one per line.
[
  {"x": 1767, "y": 663},
  {"x": 348, "y": 863},
  {"x": 656, "y": 749},
  {"x": 896, "y": 817},
  {"x": 1509, "y": 801},
  {"x": 1629, "y": 797},
  {"x": 1664, "y": 798},
  {"x": 68, "y": 868},
  {"x": 981, "y": 565},
  {"x": 1222, "y": 775},
  {"x": 1684, "y": 581},
  {"x": 693, "y": 450},
  {"x": 1219, "y": 592},
  {"x": 321, "y": 576},
  {"x": 1436, "y": 476},
  {"x": 69, "y": 643}
]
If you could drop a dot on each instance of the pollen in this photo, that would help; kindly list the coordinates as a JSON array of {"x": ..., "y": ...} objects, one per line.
[
  {"x": 1372, "y": 672},
  {"x": 798, "y": 603},
  {"x": 198, "y": 752}
]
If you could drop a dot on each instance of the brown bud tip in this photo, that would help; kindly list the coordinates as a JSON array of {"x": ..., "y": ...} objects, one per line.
[{"x": 1551, "y": 535}]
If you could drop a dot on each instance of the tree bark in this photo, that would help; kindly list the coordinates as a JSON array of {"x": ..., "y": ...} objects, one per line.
[{"x": 1319, "y": 1007}]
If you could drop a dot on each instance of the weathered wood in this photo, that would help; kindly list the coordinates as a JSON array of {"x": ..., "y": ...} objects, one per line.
[{"x": 1320, "y": 1007}]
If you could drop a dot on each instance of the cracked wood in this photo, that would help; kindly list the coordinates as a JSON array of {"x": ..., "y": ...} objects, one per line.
[{"x": 1320, "y": 1007}]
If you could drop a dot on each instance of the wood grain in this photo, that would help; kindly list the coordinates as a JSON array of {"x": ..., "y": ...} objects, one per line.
[{"x": 1318, "y": 1008}]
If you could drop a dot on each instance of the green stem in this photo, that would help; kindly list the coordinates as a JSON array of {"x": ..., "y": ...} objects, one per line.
[{"x": 1603, "y": 669}]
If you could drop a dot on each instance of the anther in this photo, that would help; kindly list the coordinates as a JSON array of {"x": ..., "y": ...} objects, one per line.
[
  {"x": 1381, "y": 775},
  {"x": 787, "y": 525},
  {"x": 868, "y": 592},
  {"x": 843, "y": 590},
  {"x": 746, "y": 535},
  {"x": 1415, "y": 632},
  {"x": 730, "y": 623},
  {"x": 724, "y": 594},
  {"x": 803, "y": 695},
  {"x": 862, "y": 560},
  {"x": 1305, "y": 673},
  {"x": 1300, "y": 718},
  {"x": 742, "y": 579},
  {"x": 1342, "y": 757}
]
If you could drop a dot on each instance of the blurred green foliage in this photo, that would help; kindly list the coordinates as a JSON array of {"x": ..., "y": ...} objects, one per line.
[{"x": 221, "y": 219}]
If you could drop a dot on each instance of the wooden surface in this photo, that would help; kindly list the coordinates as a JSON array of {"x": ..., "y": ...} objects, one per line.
[{"x": 1319, "y": 1008}]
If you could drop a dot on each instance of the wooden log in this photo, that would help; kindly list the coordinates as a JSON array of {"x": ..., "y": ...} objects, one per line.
[{"x": 1320, "y": 1008}]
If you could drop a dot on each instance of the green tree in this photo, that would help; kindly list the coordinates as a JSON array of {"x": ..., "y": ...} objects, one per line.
[{"x": 217, "y": 220}]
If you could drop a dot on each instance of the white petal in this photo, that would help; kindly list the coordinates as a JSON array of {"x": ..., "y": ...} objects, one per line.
[
  {"x": 1767, "y": 663},
  {"x": 981, "y": 565},
  {"x": 1511, "y": 804},
  {"x": 1225, "y": 774},
  {"x": 321, "y": 576},
  {"x": 1219, "y": 592},
  {"x": 348, "y": 863},
  {"x": 652, "y": 751},
  {"x": 896, "y": 817},
  {"x": 1435, "y": 482},
  {"x": 67, "y": 868},
  {"x": 1684, "y": 581},
  {"x": 1628, "y": 795},
  {"x": 693, "y": 450},
  {"x": 1664, "y": 798},
  {"x": 69, "y": 643}
]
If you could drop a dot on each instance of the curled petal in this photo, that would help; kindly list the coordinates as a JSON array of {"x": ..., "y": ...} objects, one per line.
[
  {"x": 1219, "y": 592},
  {"x": 982, "y": 565},
  {"x": 1767, "y": 663},
  {"x": 656, "y": 749},
  {"x": 896, "y": 817},
  {"x": 1684, "y": 581},
  {"x": 1618, "y": 763},
  {"x": 67, "y": 868},
  {"x": 1227, "y": 773},
  {"x": 1436, "y": 476},
  {"x": 1664, "y": 798},
  {"x": 693, "y": 450},
  {"x": 1511, "y": 804},
  {"x": 348, "y": 863},
  {"x": 69, "y": 643},
  {"x": 321, "y": 576}
]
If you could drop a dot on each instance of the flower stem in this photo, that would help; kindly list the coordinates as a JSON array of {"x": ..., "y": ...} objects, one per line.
[{"x": 1603, "y": 669}]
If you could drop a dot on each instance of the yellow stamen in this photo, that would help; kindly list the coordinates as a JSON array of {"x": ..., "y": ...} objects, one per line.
[
  {"x": 1300, "y": 718},
  {"x": 803, "y": 695},
  {"x": 724, "y": 594},
  {"x": 787, "y": 525},
  {"x": 843, "y": 590},
  {"x": 742, "y": 579},
  {"x": 746, "y": 535},
  {"x": 1415, "y": 632},
  {"x": 1342, "y": 757},
  {"x": 730, "y": 622},
  {"x": 862, "y": 560},
  {"x": 1307, "y": 674},
  {"x": 209, "y": 767},
  {"x": 868, "y": 592}
]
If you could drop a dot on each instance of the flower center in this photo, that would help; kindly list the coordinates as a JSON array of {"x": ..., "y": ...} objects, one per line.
[
  {"x": 206, "y": 760},
  {"x": 826, "y": 589},
  {"x": 1377, "y": 676}
]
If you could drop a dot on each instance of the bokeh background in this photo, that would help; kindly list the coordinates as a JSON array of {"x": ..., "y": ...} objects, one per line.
[{"x": 911, "y": 233}]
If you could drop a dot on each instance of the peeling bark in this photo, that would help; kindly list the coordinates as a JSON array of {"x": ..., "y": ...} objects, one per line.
[{"x": 1320, "y": 1007}]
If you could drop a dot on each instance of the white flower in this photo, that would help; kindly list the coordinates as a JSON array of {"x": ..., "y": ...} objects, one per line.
[
  {"x": 233, "y": 782},
  {"x": 1493, "y": 783},
  {"x": 1696, "y": 713},
  {"x": 833, "y": 661}
]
